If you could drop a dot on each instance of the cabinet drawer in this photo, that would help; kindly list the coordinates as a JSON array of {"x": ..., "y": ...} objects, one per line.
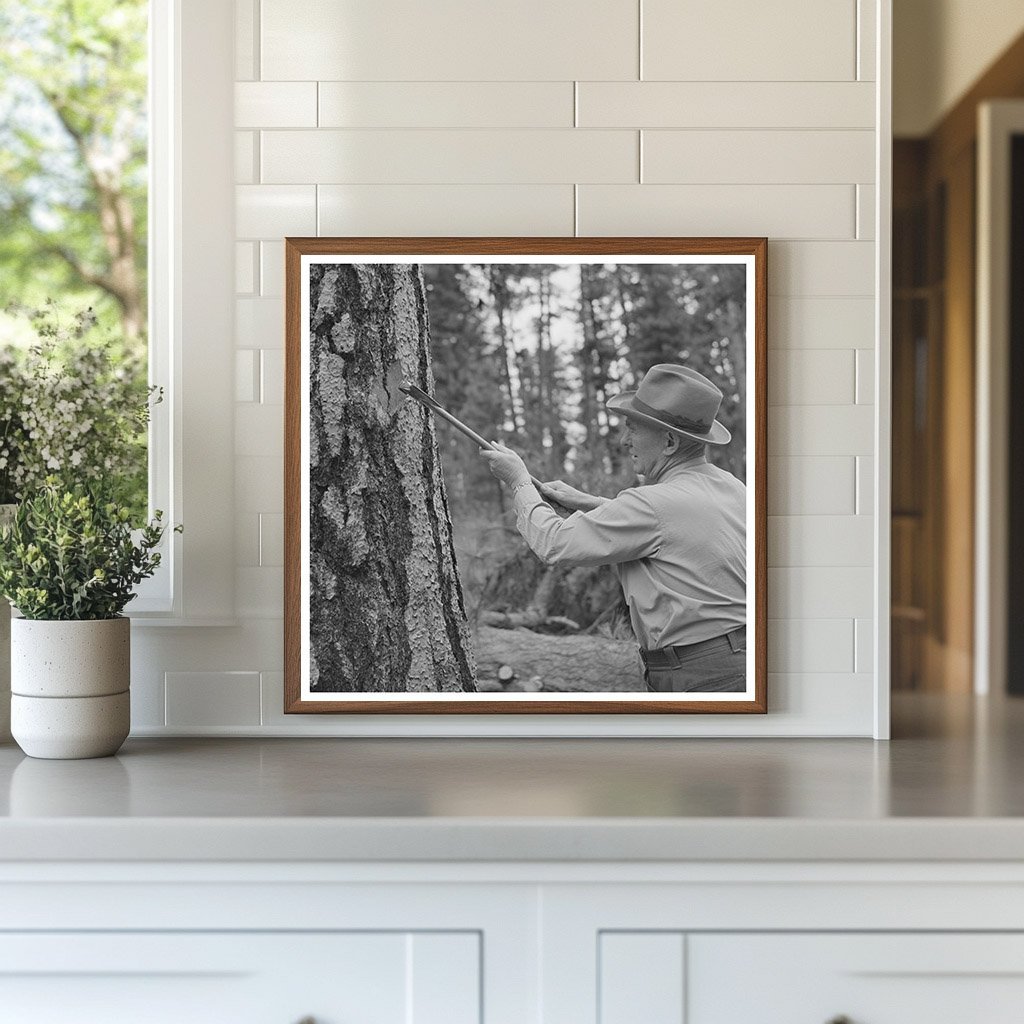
[
  {"x": 867, "y": 978},
  {"x": 241, "y": 978}
]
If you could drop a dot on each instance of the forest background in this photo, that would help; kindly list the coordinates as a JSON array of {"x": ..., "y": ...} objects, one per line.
[{"x": 528, "y": 354}]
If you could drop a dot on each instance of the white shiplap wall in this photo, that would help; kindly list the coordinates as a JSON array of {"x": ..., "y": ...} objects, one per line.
[{"x": 555, "y": 117}]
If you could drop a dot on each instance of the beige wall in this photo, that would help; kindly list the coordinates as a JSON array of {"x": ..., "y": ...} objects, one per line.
[{"x": 940, "y": 48}]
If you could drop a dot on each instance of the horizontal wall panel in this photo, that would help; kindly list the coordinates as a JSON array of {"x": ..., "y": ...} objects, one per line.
[
  {"x": 865, "y": 376},
  {"x": 814, "y": 376},
  {"x": 259, "y": 484},
  {"x": 840, "y": 322},
  {"x": 271, "y": 269},
  {"x": 834, "y": 703},
  {"x": 271, "y": 376},
  {"x": 247, "y": 539},
  {"x": 275, "y": 104},
  {"x": 204, "y": 699},
  {"x": 246, "y": 48},
  {"x": 726, "y": 105},
  {"x": 864, "y": 645},
  {"x": 447, "y": 105},
  {"x": 449, "y": 40},
  {"x": 245, "y": 268},
  {"x": 776, "y": 211},
  {"x": 245, "y": 158},
  {"x": 447, "y": 157},
  {"x": 799, "y": 540},
  {"x": 260, "y": 592},
  {"x": 259, "y": 323},
  {"x": 446, "y": 210},
  {"x": 865, "y": 485},
  {"x": 811, "y": 645},
  {"x": 758, "y": 157},
  {"x": 642, "y": 977},
  {"x": 247, "y": 362},
  {"x": 811, "y": 486},
  {"x": 271, "y": 539},
  {"x": 259, "y": 429},
  {"x": 867, "y": 25},
  {"x": 275, "y": 211},
  {"x": 821, "y": 268},
  {"x": 735, "y": 40},
  {"x": 827, "y": 592},
  {"x": 866, "y": 211},
  {"x": 821, "y": 430}
]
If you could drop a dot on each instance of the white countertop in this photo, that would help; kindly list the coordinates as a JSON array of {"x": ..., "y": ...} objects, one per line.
[{"x": 947, "y": 787}]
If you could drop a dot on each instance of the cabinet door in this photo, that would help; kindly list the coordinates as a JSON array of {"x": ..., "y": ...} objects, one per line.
[
  {"x": 241, "y": 978},
  {"x": 864, "y": 978}
]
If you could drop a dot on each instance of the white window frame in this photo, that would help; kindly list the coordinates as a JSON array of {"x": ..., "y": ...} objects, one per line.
[{"x": 191, "y": 292}]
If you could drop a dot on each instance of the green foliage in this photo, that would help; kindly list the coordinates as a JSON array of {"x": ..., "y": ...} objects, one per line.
[
  {"x": 71, "y": 554},
  {"x": 73, "y": 407},
  {"x": 73, "y": 155}
]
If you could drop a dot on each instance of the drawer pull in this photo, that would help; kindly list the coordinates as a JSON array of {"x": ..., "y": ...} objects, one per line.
[{"x": 841, "y": 1019}]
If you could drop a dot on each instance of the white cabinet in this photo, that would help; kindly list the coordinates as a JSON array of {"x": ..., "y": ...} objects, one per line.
[
  {"x": 869, "y": 979},
  {"x": 241, "y": 978},
  {"x": 511, "y": 943}
]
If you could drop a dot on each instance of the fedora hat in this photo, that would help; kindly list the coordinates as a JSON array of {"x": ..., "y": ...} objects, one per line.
[{"x": 675, "y": 398}]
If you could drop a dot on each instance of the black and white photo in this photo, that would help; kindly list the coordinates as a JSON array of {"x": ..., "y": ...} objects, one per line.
[{"x": 525, "y": 475}]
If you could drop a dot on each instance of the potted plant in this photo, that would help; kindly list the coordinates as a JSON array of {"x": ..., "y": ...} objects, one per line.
[
  {"x": 69, "y": 563},
  {"x": 73, "y": 405}
]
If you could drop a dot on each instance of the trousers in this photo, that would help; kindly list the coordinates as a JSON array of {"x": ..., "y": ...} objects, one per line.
[{"x": 718, "y": 665}]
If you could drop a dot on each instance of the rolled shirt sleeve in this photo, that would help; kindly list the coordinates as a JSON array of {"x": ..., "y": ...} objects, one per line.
[{"x": 622, "y": 529}]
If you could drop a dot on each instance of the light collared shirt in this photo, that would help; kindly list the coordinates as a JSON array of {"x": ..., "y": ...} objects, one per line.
[{"x": 678, "y": 545}]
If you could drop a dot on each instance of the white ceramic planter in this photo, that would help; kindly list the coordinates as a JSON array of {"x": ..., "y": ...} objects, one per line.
[
  {"x": 69, "y": 683},
  {"x": 6, "y": 515}
]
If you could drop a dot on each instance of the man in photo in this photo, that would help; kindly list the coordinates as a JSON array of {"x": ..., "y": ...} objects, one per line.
[{"x": 677, "y": 541}]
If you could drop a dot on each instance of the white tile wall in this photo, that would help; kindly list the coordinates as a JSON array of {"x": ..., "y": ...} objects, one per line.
[
  {"x": 447, "y": 105},
  {"x": 437, "y": 157},
  {"x": 775, "y": 211},
  {"x": 814, "y": 322},
  {"x": 815, "y": 539},
  {"x": 459, "y": 117},
  {"x": 821, "y": 268},
  {"x": 865, "y": 376},
  {"x": 811, "y": 645},
  {"x": 756, "y": 157},
  {"x": 744, "y": 41},
  {"x": 276, "y": 105},
  {"x": 726, "y": 105},
  {"x": 203, "y": 700},
  {"x": 811, "y": 486},
  {"x": 447, "y": 209},
  {"x": 449, "y": 40},
  {"x": 813, "y": 376}
]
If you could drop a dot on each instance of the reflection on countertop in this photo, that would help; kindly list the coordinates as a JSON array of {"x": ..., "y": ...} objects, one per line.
[{"x": 949, "y": 757}]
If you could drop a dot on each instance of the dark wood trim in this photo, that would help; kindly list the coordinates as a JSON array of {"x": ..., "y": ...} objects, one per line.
[
  {"x": 959, "y": 128},
  {"x": 297, "y": 248}
]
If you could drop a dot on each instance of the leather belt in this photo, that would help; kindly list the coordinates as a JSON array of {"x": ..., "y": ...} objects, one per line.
[{"x": 670, "y": 657}]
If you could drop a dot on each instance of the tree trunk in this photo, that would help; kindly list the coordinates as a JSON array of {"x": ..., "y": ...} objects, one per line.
[{"x": 386, "y": 606}]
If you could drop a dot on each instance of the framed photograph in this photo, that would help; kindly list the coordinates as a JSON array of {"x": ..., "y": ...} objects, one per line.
[{"x": 525, "y": 475}]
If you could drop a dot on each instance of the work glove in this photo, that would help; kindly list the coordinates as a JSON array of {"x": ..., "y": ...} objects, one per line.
[{"x": 506, "y": 465}]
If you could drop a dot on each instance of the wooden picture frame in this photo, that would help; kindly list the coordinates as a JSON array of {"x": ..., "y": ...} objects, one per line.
[{"x": 373, "y": 594}]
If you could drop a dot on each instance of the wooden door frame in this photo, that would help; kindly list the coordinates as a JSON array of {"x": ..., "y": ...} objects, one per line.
[{"x": 998, "y": 121}]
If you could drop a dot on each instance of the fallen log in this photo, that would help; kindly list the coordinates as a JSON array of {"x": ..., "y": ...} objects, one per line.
[{"x": 561, "y": 664}]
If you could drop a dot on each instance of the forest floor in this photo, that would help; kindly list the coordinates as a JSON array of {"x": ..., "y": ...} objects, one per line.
[{"x": 578, "y": 663}]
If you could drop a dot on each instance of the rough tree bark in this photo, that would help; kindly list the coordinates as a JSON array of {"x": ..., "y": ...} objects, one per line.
[{"x": 386, "y": 606}]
